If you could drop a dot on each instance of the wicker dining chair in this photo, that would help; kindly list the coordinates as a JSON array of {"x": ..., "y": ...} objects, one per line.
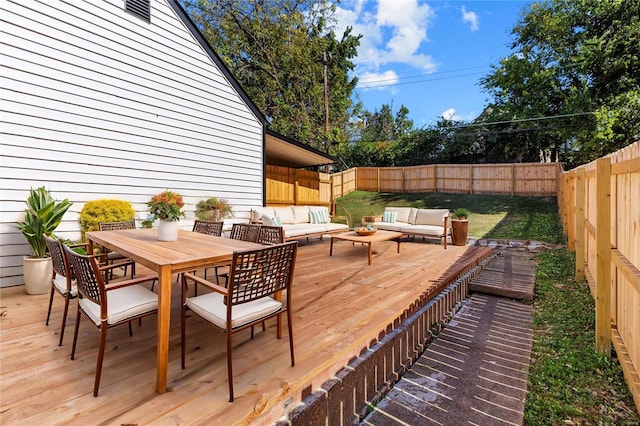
[
  {"x": 208, "y": 228},
  {"x": 62, "y": 279},
  {"x": 113, "y": 256},
  {"x": 244, "y": 232},
  {"x": 107, "y": 305},
  {"x": 269, "y": 235},
  {"x": 250, "y": 298}
]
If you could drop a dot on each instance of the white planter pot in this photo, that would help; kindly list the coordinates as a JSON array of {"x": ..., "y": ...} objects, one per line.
[
  {"x": 168, "y": 230},
  {"x": 37, "y": 274}
]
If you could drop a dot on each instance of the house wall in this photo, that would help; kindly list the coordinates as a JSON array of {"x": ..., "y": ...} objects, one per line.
[{"x": 97, "y": 103}]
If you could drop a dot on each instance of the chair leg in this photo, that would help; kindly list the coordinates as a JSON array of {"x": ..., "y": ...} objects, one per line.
[
  {"x": 290, "y": 326},
  {"x": 75, "y": 335},
  {"x": 229, "y": 366},
  {"x": 50, "y": 303},
  {"x": 131, "y": 330},
  {"x": 103, "y": 343},
  {"x": 64, "y": 318},
  {"x": 183, "y": 333}
]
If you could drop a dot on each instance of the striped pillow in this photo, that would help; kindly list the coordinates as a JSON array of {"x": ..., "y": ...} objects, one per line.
[
  {"x": 318, "y": 216},
  {"x": 389, "y": 216},
  {"x": 276, "y": 221}
]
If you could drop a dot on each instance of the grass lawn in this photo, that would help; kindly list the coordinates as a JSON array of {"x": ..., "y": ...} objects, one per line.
[
  {"x": 491, "y": 216},
  {"x": 569, "y": 383}
]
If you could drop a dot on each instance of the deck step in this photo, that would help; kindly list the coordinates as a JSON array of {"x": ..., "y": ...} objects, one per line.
[
  {"x": 510, "y": 274},
  {"x": 475, "y": 372}
]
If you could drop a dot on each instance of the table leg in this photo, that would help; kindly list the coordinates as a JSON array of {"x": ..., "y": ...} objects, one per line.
[
  {"x": 164, "y": 316},
  {"x": 370, "y": 253},
  {"x": 398, "y": 241}
]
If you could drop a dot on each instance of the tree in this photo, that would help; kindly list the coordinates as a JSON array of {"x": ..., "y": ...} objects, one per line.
[
  {"x": 578, "y": 59},
  {"x": 276, "y": 50}
]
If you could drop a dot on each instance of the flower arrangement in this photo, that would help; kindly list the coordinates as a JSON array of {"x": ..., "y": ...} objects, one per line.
[{"x": 166, "y": 206}]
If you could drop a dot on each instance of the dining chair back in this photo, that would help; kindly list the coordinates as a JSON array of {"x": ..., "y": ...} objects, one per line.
[
  {"x": 207, "y": 227},
  {"x": 257, "y": 279},
  {"x": 269, "y": 235},
  {"x": 113, "y": 256},
  {"x": 244, "y": 232},
  {"x": 62, "y": 280},
  {"x": 107, "y": 306}
]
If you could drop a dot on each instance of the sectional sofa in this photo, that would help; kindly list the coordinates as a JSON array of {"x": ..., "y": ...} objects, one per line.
[
  {"x": 411, "y": 221},
  {"x": 299, "y": 222}
]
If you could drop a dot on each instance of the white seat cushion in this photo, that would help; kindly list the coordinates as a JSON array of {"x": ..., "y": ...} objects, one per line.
[
  {"x": 302, "y": 229},
  {"x": 60, "y": 282},
  {"x": 430, "y": 217},
  {"x": 389, "y": 226},
  {"x": 430, "y": 230},
  {"x": 211, "y": 307},
  {"x": 123, "y": 303},
  {"x": 332, "y": 227}
]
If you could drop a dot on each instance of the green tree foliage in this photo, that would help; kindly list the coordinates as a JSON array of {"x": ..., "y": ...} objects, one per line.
[
  {"x": 277, "y": 50},
  {"x": 574, "y": 58}
]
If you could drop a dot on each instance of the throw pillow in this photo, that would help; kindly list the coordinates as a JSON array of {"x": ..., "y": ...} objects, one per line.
[
  {"x": 389, "y": 216},
  {"x": 318, "y": 216},
  {"x": 276, "y": 221}
]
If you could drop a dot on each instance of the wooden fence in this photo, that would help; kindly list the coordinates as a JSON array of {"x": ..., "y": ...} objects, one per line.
[
  {"x": 530, "y": 179},
  {"x": 599, "y": 205},
  {"x": 293, "y": 186}
]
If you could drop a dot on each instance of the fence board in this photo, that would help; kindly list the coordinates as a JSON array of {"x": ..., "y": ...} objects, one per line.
[{"x": 607, "y": 197}]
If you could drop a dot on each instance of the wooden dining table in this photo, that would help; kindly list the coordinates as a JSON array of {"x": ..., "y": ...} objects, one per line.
[{"x": 192, "y": 250}]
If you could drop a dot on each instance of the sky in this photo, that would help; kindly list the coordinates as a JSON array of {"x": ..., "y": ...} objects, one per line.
[{"x": 428, "y": 55}]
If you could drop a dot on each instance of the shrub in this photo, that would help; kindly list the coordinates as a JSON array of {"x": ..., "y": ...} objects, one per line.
[
  {"x": 104, "y": 210},
  {"x": 213, "y": 209}
]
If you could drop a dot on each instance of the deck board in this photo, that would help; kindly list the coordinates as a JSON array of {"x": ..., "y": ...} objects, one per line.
[{"x": 340, "y": 305}]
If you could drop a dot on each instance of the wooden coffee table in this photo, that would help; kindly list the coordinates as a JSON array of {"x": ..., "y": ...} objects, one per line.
[{"x": 367, "y": 239}]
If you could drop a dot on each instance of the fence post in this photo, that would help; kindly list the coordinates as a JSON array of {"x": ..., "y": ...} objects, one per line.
[
  {"x": 435, "y": 178},
  {"x": 513, "y": 180},
  {"x": 471, "y": 179},
  {"x": 581, "y": 199},
  {"x": 603, "y": 256}
]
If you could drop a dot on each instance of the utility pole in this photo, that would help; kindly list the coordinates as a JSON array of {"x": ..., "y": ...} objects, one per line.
[{"x": 326, "y": 104}]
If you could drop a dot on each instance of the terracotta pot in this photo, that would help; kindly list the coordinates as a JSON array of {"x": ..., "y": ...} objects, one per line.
[
  {"x": 168, "y": 230},
  {"x": 37, "y": 274},
  {"x": 459, "y": 232}
]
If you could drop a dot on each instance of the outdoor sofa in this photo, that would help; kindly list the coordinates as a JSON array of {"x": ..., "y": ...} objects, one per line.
[
  {"x": 299, "y": 222},
  {"x": 411, "y": 221}
]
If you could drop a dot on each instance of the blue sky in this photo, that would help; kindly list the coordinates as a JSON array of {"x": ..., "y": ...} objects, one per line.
[{"x": 428, "y": 55}]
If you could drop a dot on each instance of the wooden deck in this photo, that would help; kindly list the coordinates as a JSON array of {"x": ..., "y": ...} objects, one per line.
[{"x": 340, "y": 304}]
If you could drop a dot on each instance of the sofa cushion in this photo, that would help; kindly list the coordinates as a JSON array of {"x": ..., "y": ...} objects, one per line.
[
  {"x": 300, "y": 214},
  {"x": 433, "y": 217},
  {"x": 285, "y": 214},
  {"x": 389, "y": 226},
  {"x": 298, "y": 230},
  {"x": 389, "y": 216},
  {"x": 430, "y": 230},
  {"x": 403, "y": 214},
  {"x": 333, "y": 227},
  {"x": 318, "y": 216}
]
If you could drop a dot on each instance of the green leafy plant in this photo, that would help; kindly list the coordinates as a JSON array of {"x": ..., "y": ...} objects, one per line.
[
  {"x": 460, "y": 214},
  {"x": 213, "y": 208},
  {"x": 166, "y": 205},
  {"x": 104, "y": 210},
  {"x": 42, "y": 217}
]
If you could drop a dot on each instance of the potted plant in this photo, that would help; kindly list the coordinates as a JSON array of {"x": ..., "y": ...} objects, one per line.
[
  {"x": 213, "y": 209},
  {"x": 42, "y": 217},
  {"x": 459, "y": 226},
  {"x": 167, "y": 207}
]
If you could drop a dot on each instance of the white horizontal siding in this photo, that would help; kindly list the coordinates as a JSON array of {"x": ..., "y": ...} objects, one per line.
[{"x": 96, "y": 103}]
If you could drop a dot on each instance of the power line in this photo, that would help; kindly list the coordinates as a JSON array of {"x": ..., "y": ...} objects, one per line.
[
  {"x": 521, "y": 120},
  {"x": 366, "y": 86},
  {"x": 425, "y": 74}
]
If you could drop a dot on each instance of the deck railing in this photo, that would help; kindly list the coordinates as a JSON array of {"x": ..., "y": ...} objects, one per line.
[
  {"x": 346, "y": 398},
  {"x": 599, "y": 205}
]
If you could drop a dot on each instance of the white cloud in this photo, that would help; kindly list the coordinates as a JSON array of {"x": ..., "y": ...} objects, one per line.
[
  {"x": 448, "y": 114},
  {"x": 471, "y": 18},
  {"x": 392, "y": 32},
  {"x": 377, "y": 80}
]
